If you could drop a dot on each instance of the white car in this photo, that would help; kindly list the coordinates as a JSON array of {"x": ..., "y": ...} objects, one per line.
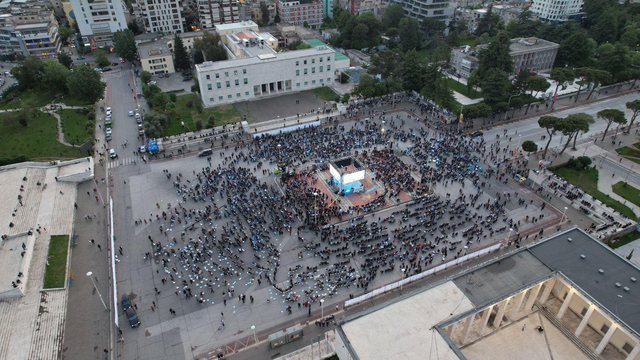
[
  {"x": 112, "y": 153},
  {"x": 131, "y": 113},
  {"x": 143, "y": 149}
]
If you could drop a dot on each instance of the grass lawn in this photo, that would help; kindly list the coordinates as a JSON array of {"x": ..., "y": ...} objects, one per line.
[
  {"x": 630, "y": 152},
  {"x": 225, "y": 114},
  {"x": 624, "y": 240},
  {"x": 587, "y": 180},
  {"x": 27, "y": 99},
  {"x": 37, "y": 141},
  {"x": 463, "y": 89},
  {"x": 325, "y": 93},
  {"x": 627, "y": 191},
  {"x": 76, "y": 127},
  {"x": 56, "y": 271}
]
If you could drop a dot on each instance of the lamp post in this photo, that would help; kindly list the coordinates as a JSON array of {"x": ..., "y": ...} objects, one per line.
[
  {"x": 563, "y": 214},
  {"x": 508, "y": 236},
  {"x": 322, "y": 308},
  {"x": 90, "y": 275},
  {"x": 255, "y": 338}
]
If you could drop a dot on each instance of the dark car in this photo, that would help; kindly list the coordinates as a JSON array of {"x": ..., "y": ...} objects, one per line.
[
  {"x": 132, "y": 316},
  {"x": 477, "y": 134},
  {"x": 206, "y": 152},
  {"x": 125, "y": 302}
]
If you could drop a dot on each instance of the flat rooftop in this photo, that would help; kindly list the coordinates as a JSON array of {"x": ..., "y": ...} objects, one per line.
[
  {"x": 231, "y": 26},
  {"x": 153, "y": 49},
  {"x": 317, "y": 43},
  {"x": 405, "y": 329},
  {"x": 227, "y": 64},
  {"x": 530, "y": 44}
]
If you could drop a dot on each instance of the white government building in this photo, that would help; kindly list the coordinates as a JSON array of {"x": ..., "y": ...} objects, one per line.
[{"x": 256, "y": 70}]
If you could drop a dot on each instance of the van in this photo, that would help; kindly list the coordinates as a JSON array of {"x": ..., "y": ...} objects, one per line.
[{"x": 206, "y": 152}]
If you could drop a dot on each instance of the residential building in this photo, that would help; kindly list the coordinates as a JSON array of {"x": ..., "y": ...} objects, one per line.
[
  {"x": 162, "y": 15},
  {"x": 58, "y": 8},
  {"x": 188, "y": 38},
  {"x": 471, "y": 17},
  {"x": 255, "y": 70},
  {"x": 155, "y": 57},
  {"x": 212, "y": 12},
  {"x": 570, "y": 296},
  {"x": 534, "y": 54},
  {"x": 355, "y": 7},
  {"x": 28, "y": 28},
  {"x": 556, "y": 10},
  {"x": 98, "y": 20},
  {"x": 428, "y": 9},
  {"x": 301, "y": 12},
  {"x": 327, "y": 8}
]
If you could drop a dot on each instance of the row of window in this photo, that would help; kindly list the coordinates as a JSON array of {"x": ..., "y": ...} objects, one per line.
[
  {"x": 226, "y": 74},
  {"x": 246, "y": 93},
  {"x": 245, "y": 81},
  {"x": 313, "y": 70},
  {"x": 313, "y": 61}
]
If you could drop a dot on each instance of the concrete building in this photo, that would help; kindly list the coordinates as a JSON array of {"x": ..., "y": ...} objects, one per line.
[
  {"x": 155, "y": 57},
  {"x": 28, "y": 28},
  {"x": 213, "y": 12},
  {"x": 568, "y": 297},
  {"x": 432, "y": 9},
  {"x": 534, "y": 54},
  {"x": 300, "y": 12},
  {"x": 188, "y": 39},
  {"x": 556, "y": 10},
  {"x": 98, "y": 20},
  {"x": 471, "y": 17},
  {"x": 162, "y": 15}
]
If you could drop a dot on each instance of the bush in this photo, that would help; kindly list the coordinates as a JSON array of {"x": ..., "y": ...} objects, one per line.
[
  {"x": 579, "y": 163},
  {"x": 189, "y": 104},
  {"x": 91, "y": 115},
  {"x": 145, "y": 77},
  {"x": 198, "y": 125},
  {"x": 529, "y": 146},
  {"x": 172, "y": 97}
]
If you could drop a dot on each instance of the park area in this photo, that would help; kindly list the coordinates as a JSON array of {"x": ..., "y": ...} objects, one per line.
[
  {"x": 31, "y": 135},
  {"x": 76, "y": 125},
  {"x": 189, "y": 110},
  {"x": 36, "y": 98},
  {"x": 627, "y": 191},
  {"x": 56, "y": 271},
  {"x": 631, "y": 152},
  {"x": 587, "y": 180}
]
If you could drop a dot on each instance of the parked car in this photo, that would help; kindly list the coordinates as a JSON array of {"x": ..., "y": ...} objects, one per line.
[
  {"x": 131, "y": 113},
  {"x": 143, "y": 149},
  {"x": 125, "y": 302},
  {"x": 112, "y": 153},
  {"x": 132, "y": 316},
  {"x": 477, "y": 134}
]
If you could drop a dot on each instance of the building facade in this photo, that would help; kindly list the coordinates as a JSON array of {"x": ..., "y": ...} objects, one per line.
[
  {"x": 162, "y": 15},
  {"x": 155, "y": 57},
  {"x": 431, "y": 9},
  {"x": 556, "y": 10},
  {"x": 98, "y": 20},
  {"x": 212, "y": 12},
  {"x": 299, "y": 12},
  {"x": 533, "y": 54},
  {"x": 28, "y": 28},
  {"x": 230, "y": 81}
]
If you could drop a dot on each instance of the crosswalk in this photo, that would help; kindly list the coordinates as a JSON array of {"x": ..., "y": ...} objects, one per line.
[{"x": 132, "y": 160}]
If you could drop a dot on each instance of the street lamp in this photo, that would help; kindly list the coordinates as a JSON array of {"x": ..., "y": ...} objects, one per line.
[
  {"x": 255, "y": 338},
  {"x": 508, "y": 236},
  {"x": 563, "y": 214},
  {"x": 89, "y": 274},
  {"x": 322, "y": 308}
]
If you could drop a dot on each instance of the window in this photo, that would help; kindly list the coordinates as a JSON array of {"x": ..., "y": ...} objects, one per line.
[
  {"x": 220, "y": 97},
  {"x": 305, "y": 71},
  {"x": 313, "y": 82},
  {"x": 306, "y": 83},
  {"x": 297, "y": 63},
  {"x": 320, "y": 59},
  {"x": 235, "y": 72},
  {"x": 246, "y": 81},
  {"x": 604, "y": 328},
  {"x": 226, "y": 73},
  {"x": 210, "y": 99},
  {"x": 328, "y": 79},
  {"x": 328, "y": 67},
  {"x": 313, "y": 70},
  {"x": 313, "y": 61},
  {"x": 321, "y": 68},
  {"x": 229, "y": 96},
  {"x": 297, "y": 84},
  {"x": 583, "y": 312},
  {"x": 627, "y": 347},
  {"x": 219, "y": 86},
  {"x": 228, "y": 84},
  {"x": 305, "y": 62},
  {"x": 208, "y": 77},
  {"x": 217, "y": 76},
  {"x": 297, "y": 72},
  {"x": 209, "y": 87},
  {"x": 246, "y": 93},
  {"x": 237, "y": 82},
  {"x": 328, "y": 58},
  {"x": 237, "y": 94},
  {"x": 244, "y": 71}
]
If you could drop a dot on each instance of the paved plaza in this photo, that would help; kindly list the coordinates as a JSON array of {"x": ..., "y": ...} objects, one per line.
[
  {"x": 216, "y": 245},
  {"x": 284, "y": 106}
]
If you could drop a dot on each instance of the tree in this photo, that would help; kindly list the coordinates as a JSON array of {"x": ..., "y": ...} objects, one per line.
[
  {"x": 145, "y": 77},
  {"x": 529, "y": 146},
  {"x": 495, "y": 88},
  {"x": 264, "y": 12},
  {"x": 65, "y": 33},
  {"x": 276, "y": 19},
  {"x": 489, "y": 24},
  {"x": 54, "y": 76},
  {"x": 562, "y": 76},
  {"x": 496, "y": 56},
  {"x": 65, "y": 60},
  {"x": 411, "y": 72},
  {"x": 28, "y": 73},
  {"x": 576, "y": 51},
  {"x": 84, "y": 83},
  {"x": 614, "y": 59},
  {"x": 392, "y": 16},
  {"x": 479, "y": 110},
  {"x": 436, "y": 87},
  {"x": 634, "y": 106},
  {"x": 410, "y": 36},
  {"x": 210, "y": 47},
  {"x": 124, "y": 44},
  {"x": 102, "y": 60},
  {"x": 155, "y": 123},
  {"x": 606, "y": 27},
  {"x": 536, "y": 84},
  {"x": 611, "y": 116},
  {"x": 593, "y": 77},
  {"x": 180, "y": 57},
  {"x": 550, "y": 124},
  {"x": 580, "y": 123}
]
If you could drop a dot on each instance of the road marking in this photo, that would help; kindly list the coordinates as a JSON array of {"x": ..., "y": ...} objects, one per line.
[{"x": 122, "y": 162}]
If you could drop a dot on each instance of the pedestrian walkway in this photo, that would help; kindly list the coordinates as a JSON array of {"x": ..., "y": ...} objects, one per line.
[{"x": 131, "y": 160}]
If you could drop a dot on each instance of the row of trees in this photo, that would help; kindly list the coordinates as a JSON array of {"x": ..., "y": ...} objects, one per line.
[{"x": 80, "y": 82}]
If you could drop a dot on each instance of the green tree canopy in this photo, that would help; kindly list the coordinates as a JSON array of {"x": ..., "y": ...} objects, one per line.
[
  {"x": 495, "y": 88},
  {"x": 28, "y": 73},
  {"x": 611, "y": 116},
  {"x": 410, "y": 35},
  {"x": 101, "y": 59},
  {"x": 489, "y": 24},
  {"x": 180, "y": 57},
  {"x": 529, "y": 146},
  {"x": 562, "y": 76},
  {"x": 634, "y": 106},
  {"x": 576, "y": 51},
  {"x": 496, "y": 56},
  {"x": 65, "y": 60},
  {"x": 54, "y": 76},
  {"x": 124, "y": 44},
  {"x": 392, "y": 16},
  {"x": 210, "y": 47},
  {"x": 84, "y": 83},
  {"x": 550, "y": 124}
]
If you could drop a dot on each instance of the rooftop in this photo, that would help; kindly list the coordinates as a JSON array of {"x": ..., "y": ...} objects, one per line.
[
  {"x": 529, "y": 44},
  {"x": 217, "y": 65},
  {"x": 153, "y": 49},
  {"x": 317, "y": 43},
  {"x": 231, "y": 26}
]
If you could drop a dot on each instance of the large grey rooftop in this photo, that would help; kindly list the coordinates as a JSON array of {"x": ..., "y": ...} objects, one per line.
[
  {"x": 501, "y": 278},
  {"x": 560, "y": 254},
  {"x": 225, "y": 64},
  {"x": 530, "y": 44}
]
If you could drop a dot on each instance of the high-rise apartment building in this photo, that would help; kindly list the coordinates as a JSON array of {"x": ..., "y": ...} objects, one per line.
[
  {"x": 428, "y": 9},
  {"x": 556, "y": 10},
  {"x": 98, "y": 20},
  {"x": 212, "y": 12},
  {"x": 301, "y": 12},
  {"x": 28, "y": 28},
  {"x": 162, "y": 15}
]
